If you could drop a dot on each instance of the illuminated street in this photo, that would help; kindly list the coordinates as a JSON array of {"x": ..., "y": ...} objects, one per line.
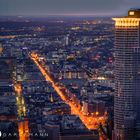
[
  {"x": 21, "y": 109},
  {"x": 91, "y": 122}
]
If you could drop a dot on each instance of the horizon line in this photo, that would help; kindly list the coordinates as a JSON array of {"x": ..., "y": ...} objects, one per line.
[{"x": 67, "y": 14}]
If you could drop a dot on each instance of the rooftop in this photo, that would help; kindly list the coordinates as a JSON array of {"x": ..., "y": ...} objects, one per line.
[
  {"x": 131, "y": 20},
  {"x": 134, "y": 13}
]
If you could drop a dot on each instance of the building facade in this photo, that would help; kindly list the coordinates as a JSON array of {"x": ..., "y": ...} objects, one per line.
[{"x": 127, "y": 74}]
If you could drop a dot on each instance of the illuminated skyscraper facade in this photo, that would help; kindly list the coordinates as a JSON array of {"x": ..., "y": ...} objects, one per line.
[{"x": 127, "y": 73}]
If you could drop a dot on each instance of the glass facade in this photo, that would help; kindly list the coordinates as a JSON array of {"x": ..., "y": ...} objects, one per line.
[{"x": 127, "y": 82}]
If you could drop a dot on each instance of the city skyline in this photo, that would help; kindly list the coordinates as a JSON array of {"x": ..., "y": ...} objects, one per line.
[
  {"x": 68, "y": 82},
  {"x": 70, "y": 69}
]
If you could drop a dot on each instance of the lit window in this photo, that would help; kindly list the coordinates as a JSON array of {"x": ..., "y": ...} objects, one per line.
[{"x": 131, "y": 13}]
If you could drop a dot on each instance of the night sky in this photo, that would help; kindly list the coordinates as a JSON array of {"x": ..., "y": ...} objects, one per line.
[{"x": 66, "y": 7}]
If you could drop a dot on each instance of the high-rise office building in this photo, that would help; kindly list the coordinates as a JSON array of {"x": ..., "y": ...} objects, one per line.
[{"x": 127, "y": 72}]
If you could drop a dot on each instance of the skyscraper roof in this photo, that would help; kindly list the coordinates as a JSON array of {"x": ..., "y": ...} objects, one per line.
[{"x": 134, "y": 13}]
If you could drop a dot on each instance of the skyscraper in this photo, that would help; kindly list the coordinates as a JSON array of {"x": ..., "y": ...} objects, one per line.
[{"x": 127, "y": 72}]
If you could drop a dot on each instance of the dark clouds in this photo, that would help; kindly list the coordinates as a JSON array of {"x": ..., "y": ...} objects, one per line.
[{"x": 45, "y": 7}]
